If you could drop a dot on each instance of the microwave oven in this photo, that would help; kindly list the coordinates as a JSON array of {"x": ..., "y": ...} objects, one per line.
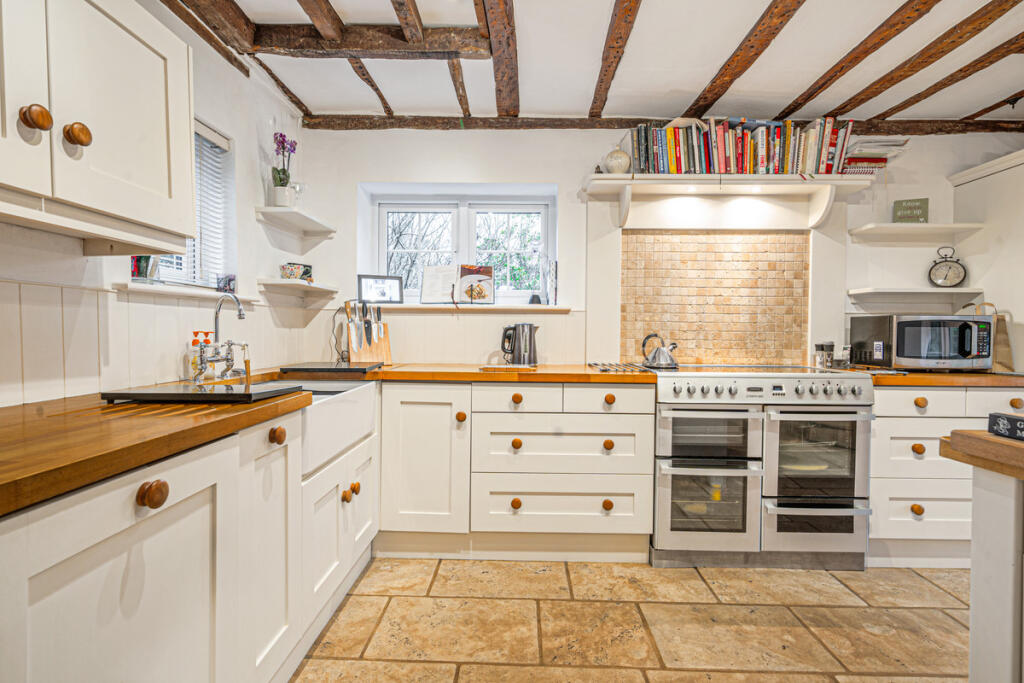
[{"x": 922, "y": 342}]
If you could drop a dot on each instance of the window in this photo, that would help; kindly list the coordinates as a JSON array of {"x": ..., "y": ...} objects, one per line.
[
  {"x": 514, "y": 238},
  {"x": 206, "y": 257}
]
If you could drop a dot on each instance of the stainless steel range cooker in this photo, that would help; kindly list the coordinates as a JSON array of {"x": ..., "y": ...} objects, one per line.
[{"x": 761, "y": 466}]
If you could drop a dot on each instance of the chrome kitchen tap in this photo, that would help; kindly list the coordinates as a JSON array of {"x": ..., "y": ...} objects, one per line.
[
  {"x": 216, "y": 314},
  {"x": 211, "y": 354}
]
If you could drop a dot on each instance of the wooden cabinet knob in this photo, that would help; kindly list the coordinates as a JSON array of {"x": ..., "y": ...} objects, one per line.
[
  {"x": 1017, "y": 403},
  {"x": 78, "y": 133},
  {"x": 355, "y": 487},
  {"x": 346, "y": 496},
  {"x": 921, "y": 402},
  {"x": 608, "y": 444},
  {"x": 36, "y": 116},
  {"x": 917, "y": 509},
  {"x": 609, "y": 399},
  {"x": 516, "y": 503},
  {"x": 278, "y": 435},
  {"x": 517, "y": 443},
  {"x": 607, "y": 504},
  {"x": 918, "y": 448},
  {"x": 517, "y": 398},
  {"x": 152, "y": 494},
  {"x": 460, "y": 416}
]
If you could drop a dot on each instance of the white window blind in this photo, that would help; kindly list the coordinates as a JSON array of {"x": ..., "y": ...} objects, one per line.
[{"x": 205, "y": 256}]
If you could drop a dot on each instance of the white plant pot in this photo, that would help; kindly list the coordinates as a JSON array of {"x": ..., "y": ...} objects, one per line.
[{"x": 282, "y": 196}]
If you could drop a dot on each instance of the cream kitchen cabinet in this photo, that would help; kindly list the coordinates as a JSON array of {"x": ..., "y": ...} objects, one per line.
[
  {"x": 425, "y": 457},
  {"x": 97, "y": 587},
  {"x": 105, "y": 150}
]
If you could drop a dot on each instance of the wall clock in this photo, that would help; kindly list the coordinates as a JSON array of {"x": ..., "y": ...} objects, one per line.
[{"x": 947, "y": 271}]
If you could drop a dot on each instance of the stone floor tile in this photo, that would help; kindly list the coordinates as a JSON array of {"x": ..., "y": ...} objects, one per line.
[
  {"x": 641, "y": 582},
  {"x": 493, "y": 579},
  {"x": 885, "y": 587},
  {"x": 329, "y": 670},
  {"x": 394, "y": 576},
  {"x": 731, "y": 637},
  {"x": 955, "y": 581},
  {"x": 897, "y": 641},
  {"x": 349, "y": 630},
  {"x": 961, "y": 615},
  {"x": 487, "y": 673},
  {"x": 594, "y": 633},
  {"x": 457, "y": 629},
  {"x": 778, "y": 587},
  {"x": 664, "y": 676}
]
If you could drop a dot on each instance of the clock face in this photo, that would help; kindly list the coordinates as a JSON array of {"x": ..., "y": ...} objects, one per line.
[{"x": 947, "y": 273}]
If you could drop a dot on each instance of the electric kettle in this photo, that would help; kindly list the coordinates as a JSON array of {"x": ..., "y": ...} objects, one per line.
[
  {"x": 660, "y": 357},
  {"x": 519, "y": 343}
]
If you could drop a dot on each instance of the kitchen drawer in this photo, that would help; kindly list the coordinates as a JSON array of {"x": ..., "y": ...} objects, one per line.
[
  {"x": 608, "y": 398},
  {"x": 517, "y": 398},
  {"x": 895, "y": 440},
  {"x": 937, "y": 401},
  {"x": 981, "y": 402},
  {"x": 557, "y": 442},
  {"x": 946, "y": 509}
]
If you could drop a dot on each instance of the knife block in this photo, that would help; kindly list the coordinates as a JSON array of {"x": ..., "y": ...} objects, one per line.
[{"x": 376, "y": 351}]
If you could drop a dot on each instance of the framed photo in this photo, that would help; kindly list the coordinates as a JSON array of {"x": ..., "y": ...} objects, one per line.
[
  {"x": 476, "y": 284},
  {"x": 381, "y": 289}
]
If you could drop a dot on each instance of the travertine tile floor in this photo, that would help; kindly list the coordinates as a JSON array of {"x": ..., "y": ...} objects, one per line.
[{"x": 556, "y": 622}]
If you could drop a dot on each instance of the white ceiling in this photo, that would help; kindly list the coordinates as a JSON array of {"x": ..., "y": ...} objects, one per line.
[{"x": 675, "y": 49}]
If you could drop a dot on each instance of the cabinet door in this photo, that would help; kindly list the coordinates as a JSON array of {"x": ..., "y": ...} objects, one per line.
[
  {"x": 126, "y": 76},
  {"x": 364, "y": 507},
  {"x": 25, "y": 151},
  {"x": 425, "y": 457},
  {"x": 94, "y": 587},
  {"x": 270, "y": 546},
  {"x": 325, "y": 535}
]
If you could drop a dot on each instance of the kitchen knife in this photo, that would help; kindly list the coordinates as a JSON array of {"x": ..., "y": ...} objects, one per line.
[
  {"x": 380, "y": 325},
  {"x": 367, "y": 325},
  {"x": 354, "y": 334}
]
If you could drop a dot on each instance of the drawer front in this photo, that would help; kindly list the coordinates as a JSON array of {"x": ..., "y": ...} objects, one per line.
[
  {"x": 517, "y": 398},
  {"x": 945, "y": 509},
  {"x": 981, "y": 402},
  {"x": 563, "y": 503},
  {"x": 563, "y": 443},
  {"x": 909, "y": 447},
  {"x": 609, "y": 398},
  {"x": 935, "y": 402}
]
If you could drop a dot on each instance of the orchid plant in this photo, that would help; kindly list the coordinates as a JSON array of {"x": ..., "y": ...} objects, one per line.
[{"x": 283, "y": 149}]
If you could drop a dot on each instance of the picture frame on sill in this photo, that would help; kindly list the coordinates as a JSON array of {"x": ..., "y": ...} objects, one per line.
[{"x": 381, "y": 289}]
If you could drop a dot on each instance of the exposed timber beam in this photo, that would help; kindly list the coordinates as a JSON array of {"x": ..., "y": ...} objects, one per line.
[
  {"x": 227, "y": 21},
  {"x": 481, "y": 17},
  {"x": 934, "y": 127},
  {"x": 366, "y": 41},
  {"x": 292, "y": 97},
  {"x": 501, "y": 26},
  {"x": 409, "y": 19},
  {"x": 619, "y": 28},
  {"x": 324, "y": 17},
  {"x": 896, "y": 23},
  {"x": 199, "y": 28},
  {"x": 772, "y": 20},
  {"x": 455, "y": 69},
  {"x": 1006, "y": 101},
  {"x": 360, "y": 69},
  {"x": 953, "y": 38},
  {"x": 1010, "y": 47}
]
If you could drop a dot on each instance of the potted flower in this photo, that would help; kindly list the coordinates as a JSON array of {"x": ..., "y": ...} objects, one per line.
[{"x": 282, "y": 194}]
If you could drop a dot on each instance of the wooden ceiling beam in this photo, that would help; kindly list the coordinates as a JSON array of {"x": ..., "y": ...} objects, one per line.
[
  {"x": 455, "y": 69},
  {"x": 1010, "y": 47},
  {"x": 951, "y": 39},
  {"x": 935, "y": 127},
  {"x": 1011, "y": 100},
  {"x": 409, "y": 19},
  {"x": 324, "y": 17},
  {"x": 772, "y": 20},
  {"x": 619, "y": 28},
  {"x": 365, "y": 41},
  {"x": 360, "y": 69},
  {"x": 896, "y": 23},
  {"x": 199, "y": 28},
  {"x": 292, "y": 97},
  {"x": 226, "y": 20},
  {"x": 501, "y": 26},
  {"x": 481, "y": 17}
]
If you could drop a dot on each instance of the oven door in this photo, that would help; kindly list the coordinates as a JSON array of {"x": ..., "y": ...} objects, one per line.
[
  {"x": 707, "y": 505},
  {"x": 800, "y": 525},
  {"x": 818, "y": 454},
  {"x": 721, "y": 432}
]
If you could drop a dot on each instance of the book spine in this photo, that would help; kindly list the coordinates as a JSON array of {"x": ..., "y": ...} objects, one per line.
[
  {"x": 846, "y": 145},
  {"x": 663, "y": 150},
  {"x": 830, "y": 151},
  {"x": 746, "y": 151},
  {"x": 762, "y": 152},
  {"x": 720, "y": 150},
  {"x": 823, "y": 143},
  {"x": 777, "y": 151},
  {"x": 787, "y": 145},
  {"x": 678, "y": 136},
  {"x": 705, "y": 142}
]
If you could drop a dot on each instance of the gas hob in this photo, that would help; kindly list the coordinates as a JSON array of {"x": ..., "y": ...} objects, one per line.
[{"x": 764, "y": 384}]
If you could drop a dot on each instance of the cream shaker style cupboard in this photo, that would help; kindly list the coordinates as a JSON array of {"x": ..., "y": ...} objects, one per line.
[{"x": 96, "y": 102}]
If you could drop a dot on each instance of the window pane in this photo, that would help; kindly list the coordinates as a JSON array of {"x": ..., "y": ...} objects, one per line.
[
  {"x": 497, "y": 259},
  {"x": 524, "y": 272},
  {"x": 419, "y": 230},
  {"x": 509, "y": 230},
  {"x": 409, "y": 264}
]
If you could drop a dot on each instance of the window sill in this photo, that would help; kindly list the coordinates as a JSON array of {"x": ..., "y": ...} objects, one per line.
[
  {"x": 176, "y": 291},
  {"x": 476, "y": 308}
]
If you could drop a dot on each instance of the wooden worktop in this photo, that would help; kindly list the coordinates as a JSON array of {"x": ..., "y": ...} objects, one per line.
[
  {"x": 452, "y": 372},
  {"x": 948, "y": 379},
  {"x": 53, "y": 447},
  {"x": 988, "y": 451}
]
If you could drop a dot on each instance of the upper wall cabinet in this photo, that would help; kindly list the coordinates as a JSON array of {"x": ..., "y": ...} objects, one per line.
[{"x": 96, "y": 124}]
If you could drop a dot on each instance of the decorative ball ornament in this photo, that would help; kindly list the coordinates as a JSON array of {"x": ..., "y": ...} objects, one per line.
[{"x": 616, "y": 161}]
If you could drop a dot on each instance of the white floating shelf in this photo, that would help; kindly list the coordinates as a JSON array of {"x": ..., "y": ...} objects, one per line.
[
  {"x": 175, "y": 291},
  {"x": 296, "y": 287},
  {"x": 295, "y": 221},
  {"x": 914, "y": 234},
  {"x": 953, "y": 296}
]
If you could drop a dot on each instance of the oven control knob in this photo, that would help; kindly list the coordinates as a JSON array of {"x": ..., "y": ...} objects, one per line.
[
  {"x": 705, "y": 389},
  {"x": 690, "y": 389},
  {"x": 812, "y": 390},
  {"x": 841, "y": 390},
  {"x": 718, "y": 390},
  {"x": 732, "y": 390},
  {"x": 799, "y": 389},
  {"x": 826, "y": 390},
  {"x": 676, "y": 389},
  {"x": 857, "y": 390}
]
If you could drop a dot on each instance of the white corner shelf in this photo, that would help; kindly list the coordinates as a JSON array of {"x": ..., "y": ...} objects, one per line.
[
  {"x": 913, "y": 234},
  {"x": 175, "y": 291},
  {"x": 952, "y": 296},
  {"x": 296, "y": 287},
  {"x": 294, "y": 221}
]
